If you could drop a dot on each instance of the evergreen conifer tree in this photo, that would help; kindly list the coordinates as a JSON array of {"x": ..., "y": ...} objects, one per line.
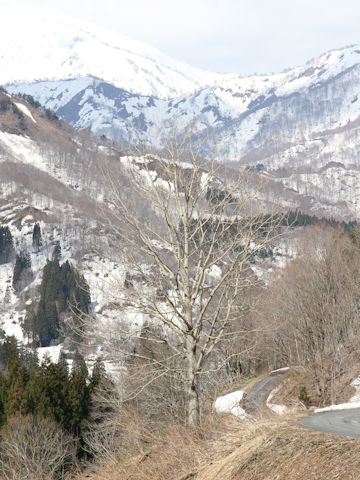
[
  {"x": 22, "y": 267},
  {"x": 60, "y": 286},
  {"x": 63, "y": 361},
  {"x": 57, "y": 251},
  {"x": 6, "y": 245},
  {"x": 48, "y": 392},
  {"x": 16, "y": 379},
  {"x": 79, "y": 394},
  {"x": 98, "y": 374},
  {"x": 15, "y": 402},
  {"x": 37, "y": 242},
  {"x": 6, "y": 347}
]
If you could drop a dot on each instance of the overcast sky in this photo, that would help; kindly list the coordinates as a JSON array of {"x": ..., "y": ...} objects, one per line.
[{"x": 240, "y": 36}]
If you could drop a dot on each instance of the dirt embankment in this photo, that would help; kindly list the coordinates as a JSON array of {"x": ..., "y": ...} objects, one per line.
[
  {"x": 280, "y": 449},
  {"x": 277, "y": 448}
]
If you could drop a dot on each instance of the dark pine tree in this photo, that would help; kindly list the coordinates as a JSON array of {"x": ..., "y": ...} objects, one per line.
[
  {"x": 57, "y": 251},
  {"x": 6, "y": 245},
  {"x": 22, "y": 270},
  {"x": 16, "y": 379},
  {"x": 63, "y": 361},
  {"x": 62, "y": 289},
  {"x": 37, "y": 242},
  {"x": 48, "y": 394},
  {"x": 79, "y": 394},
  {"x": 98, "y": 374}
]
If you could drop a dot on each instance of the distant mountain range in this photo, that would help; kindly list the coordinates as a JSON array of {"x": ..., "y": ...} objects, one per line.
[{"x": 301, "y": 127}]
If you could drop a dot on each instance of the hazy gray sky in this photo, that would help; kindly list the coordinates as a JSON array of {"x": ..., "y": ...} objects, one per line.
[{"x": 242, "y": 36}]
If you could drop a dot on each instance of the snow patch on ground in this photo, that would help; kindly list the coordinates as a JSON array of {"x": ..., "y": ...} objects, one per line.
[
  {"x": 230, "y": 403},
  {"x": 52, "y": 352},
  {"x": 356, "y": 384},
  {"x": 280, "y": 370},
  {"x": 279, "y": 409},
  {"x": 11, "y": 324},
  {"x": 214, "y": 271},
  {"x": 22, "y": 149},
  {"x": 103, "y": 277},
  {"x": 340, "y": 406},
  {"x": 25, "y": 110}
]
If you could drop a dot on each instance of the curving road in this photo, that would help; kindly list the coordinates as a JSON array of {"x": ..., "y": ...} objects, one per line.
[
  {"x": 255, "y": 400},
  {"x": 341, "y": 422}
]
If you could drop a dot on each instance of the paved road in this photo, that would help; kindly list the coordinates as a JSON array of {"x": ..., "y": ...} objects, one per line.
[
  {"x": 255, "y": 399},
  {"x": 341, "y": 422}
]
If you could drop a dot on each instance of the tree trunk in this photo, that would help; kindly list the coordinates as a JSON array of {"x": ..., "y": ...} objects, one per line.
[
  {"x": 193, "y": 406},
  {"x": 192, "y": 390}
]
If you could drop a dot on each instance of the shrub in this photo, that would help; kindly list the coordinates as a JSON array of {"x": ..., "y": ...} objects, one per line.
[
  {"x": 304, "y": 397},
  {"x": 35, "y": 448}
]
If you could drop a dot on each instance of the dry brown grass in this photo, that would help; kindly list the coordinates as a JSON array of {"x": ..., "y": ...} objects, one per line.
[
  {"x": 175, "y": 454},
  {"x": 273, "y": 448},
  {"x": 276, "y": 448},
  {"x": 280, "y": 449}
]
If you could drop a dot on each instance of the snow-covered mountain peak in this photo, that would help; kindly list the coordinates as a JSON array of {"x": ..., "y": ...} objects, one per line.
[
  {"x": 48, "y": 45},
  {"x": 44, "y": 44},
  {"x": 320, "y": 70}
]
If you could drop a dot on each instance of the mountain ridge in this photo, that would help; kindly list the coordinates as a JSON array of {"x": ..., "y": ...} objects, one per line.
[
  {"x": 50, "y": 45},
  {"x": 227, "y": 100},
  {"x": 300, "y": 124}
]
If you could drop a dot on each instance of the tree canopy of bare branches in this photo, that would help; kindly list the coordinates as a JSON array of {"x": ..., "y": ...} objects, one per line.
[
  {"x": 186, "y": 230},
  {"x": 34, "y": 448}
]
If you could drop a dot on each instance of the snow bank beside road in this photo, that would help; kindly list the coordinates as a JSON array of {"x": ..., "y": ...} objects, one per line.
[
  {"x": 340, "y": 406},
  {"x": 279, "y": 409},
  {"x": 356, "y": 384},
  {"x": 230, "y": 403},
  {"x": 279, "y": 371},
  {"x": 354, "y": 401}
]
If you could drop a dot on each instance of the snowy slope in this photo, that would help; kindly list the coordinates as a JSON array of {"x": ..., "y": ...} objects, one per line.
[
  {"x": 47, "y": 176},
  {"x": 46, "y": 44},
  {"x": 49, "y": 173},
  {"x": 252, "y": 117}
]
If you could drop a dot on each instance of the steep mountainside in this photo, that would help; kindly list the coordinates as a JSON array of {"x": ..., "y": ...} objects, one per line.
[
  {"x": 301, "y": 126},
  {"x": 49, "y": 175},
  {"x": 53, "y": 176}
]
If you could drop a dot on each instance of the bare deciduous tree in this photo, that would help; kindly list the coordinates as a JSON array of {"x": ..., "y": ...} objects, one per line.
[
  {"x": 186, "y": 230},
  {"x": 34, "y": 448}
]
